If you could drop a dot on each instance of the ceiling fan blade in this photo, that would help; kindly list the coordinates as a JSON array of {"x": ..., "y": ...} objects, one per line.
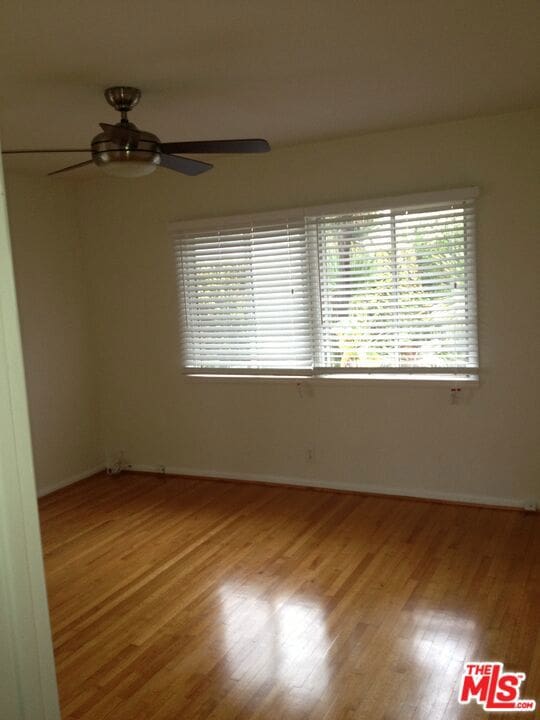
[
  {"x": 121, "y": 134},
  {"x": 253, "y": 145},
  {"x": 64, "y": 150},
  {"x": 71, "y": 167},
  {"x": 187, "y": 166}
]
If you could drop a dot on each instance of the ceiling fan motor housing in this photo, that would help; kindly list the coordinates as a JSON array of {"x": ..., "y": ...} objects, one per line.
[{"x": 143, "y": 155}]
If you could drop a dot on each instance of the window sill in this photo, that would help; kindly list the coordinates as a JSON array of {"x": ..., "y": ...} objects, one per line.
[{"x": 428, "y": 380}]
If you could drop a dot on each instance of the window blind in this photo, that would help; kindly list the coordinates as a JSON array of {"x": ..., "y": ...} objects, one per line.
[
  {"x": 378, "y": 287},
  {"x": 397, "y": 289},
  {"x": 246, "y": 295}
]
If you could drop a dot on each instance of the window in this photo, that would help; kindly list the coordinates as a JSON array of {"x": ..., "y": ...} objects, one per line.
[{"x": 374, "y": 288}]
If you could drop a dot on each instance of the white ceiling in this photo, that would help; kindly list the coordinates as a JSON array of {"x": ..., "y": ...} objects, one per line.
[{"x": 288, "y": 70}]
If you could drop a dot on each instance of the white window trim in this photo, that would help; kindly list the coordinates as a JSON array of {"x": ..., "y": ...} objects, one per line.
[
  {"x": 425, "y": 381},
  {"x": 419, "y": 376},
  {"x": 397, "y": 202}
]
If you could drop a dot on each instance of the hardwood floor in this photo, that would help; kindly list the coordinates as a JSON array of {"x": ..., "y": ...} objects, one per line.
[{"x": 176, "y": 599}]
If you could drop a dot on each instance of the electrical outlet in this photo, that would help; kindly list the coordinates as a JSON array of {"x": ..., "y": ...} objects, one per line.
[
  {"x": 118, "y": 465},
  {"x": 530, "y": 506},
  {"x": 161, "y": 469},
  {"x": 310, "y": 454}
]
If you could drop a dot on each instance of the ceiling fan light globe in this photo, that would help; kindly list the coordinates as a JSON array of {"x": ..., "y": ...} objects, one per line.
[
  {"x": 127, "y": 163},
  {"x": 130, "y": 169}
]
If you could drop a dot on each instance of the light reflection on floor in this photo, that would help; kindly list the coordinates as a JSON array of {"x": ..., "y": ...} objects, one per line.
[
  {"x": 285, "y": 640},
  {"x": 441, "y": 643},
  {"x": 440, "y": 637}
]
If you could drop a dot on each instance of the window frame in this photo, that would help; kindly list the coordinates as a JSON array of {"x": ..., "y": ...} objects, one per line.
[{"x": 427, "y": 376}]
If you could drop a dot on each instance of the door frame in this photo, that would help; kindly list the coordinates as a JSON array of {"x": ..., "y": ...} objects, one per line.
[{"x": 28, "y": 689}]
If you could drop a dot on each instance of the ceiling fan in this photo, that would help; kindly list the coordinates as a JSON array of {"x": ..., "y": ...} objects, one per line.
[{"x": 125, "y": 151}]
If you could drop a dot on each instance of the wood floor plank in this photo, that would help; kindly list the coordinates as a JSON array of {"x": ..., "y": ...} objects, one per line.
[{"x": 202, "y": 600}]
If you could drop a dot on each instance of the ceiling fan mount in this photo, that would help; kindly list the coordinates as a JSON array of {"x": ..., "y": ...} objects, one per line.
[
  {"x": 122, "y": 97},
  {"x": 125, "y": 151}
]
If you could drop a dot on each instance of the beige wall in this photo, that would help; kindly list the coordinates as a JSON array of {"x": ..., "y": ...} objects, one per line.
[
  {"x": 53, "y": 303},
  {"x": 390, "y": 437}
]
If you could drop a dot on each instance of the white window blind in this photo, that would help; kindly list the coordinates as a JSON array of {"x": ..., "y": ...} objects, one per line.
[
  {"x": 381, "y": 287},
  {"x": 246, "y": 295},
  {"x": 397, "y": 289}
]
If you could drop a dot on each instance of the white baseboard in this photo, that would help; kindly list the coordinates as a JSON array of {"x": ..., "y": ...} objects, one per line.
[
  {"x": 351, "y": 487},
  {"x": 304, "y": 482},
  {"x": 70, "y": 480}
]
